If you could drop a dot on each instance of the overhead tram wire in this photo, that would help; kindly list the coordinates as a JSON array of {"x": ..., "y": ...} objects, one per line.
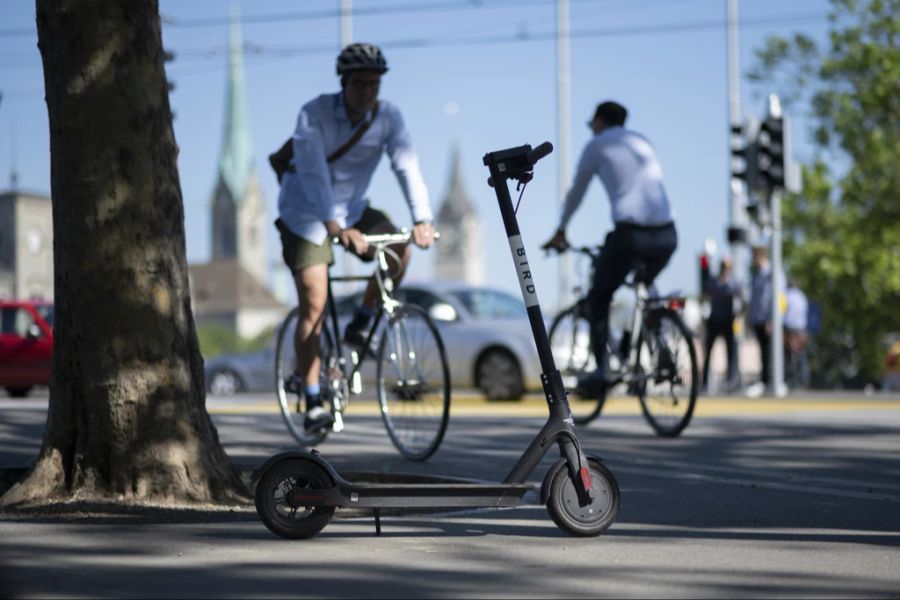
[
  {"x": 312, "y": 15},
  {"x": 392, "y": 9},
  {"x": 261, "y": 53}
]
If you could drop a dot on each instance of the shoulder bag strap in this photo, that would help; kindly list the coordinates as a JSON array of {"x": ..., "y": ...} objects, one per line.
[{"x": 355, "y": 138}]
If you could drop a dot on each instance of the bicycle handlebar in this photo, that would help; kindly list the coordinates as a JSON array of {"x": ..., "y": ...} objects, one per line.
[
  {"x": 538, "y": 153},
  {"x": 384, "y": 239},
  {"x": 591, "y": 251}
]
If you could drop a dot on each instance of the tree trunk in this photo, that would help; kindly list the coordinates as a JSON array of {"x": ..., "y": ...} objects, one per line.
[{"x": 127, "y": 418}]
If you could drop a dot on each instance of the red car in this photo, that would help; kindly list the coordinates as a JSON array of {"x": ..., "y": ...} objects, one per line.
[{"x": 26, "y": 344}]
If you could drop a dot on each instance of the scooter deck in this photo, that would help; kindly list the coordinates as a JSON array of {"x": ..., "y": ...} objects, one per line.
[{"x": 447, "y": 495}]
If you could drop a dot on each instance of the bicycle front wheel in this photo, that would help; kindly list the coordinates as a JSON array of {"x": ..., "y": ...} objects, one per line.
[
  {"x": 668, "y": 360},
  {"x": 292, "y": 407},
  {"x": 413, "y": 383},
  {"x": 570, "y": 342}
]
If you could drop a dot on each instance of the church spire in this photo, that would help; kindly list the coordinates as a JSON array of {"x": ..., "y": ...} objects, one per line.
[
  {"x": 236, "y": 154},
  {"x": 459, "y": 255},
  {"x": 456, "y": 203}
]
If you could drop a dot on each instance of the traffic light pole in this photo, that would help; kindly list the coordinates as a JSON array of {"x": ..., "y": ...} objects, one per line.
[
  {"x": 737, "y": 200},
  {"x": 776, "y": 352},
  {"x": 564, "y": 127},
  {"x": 775, "y": 152}
]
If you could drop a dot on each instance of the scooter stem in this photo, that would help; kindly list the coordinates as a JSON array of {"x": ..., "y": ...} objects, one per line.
[{"x": 518, "y": 163}]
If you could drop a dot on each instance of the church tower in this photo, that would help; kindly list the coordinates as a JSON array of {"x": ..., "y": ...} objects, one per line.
[
  {"x": 459, "y": 253},
  {"x": 231, "y": 289},
  {"x": 239, "y": 222}
]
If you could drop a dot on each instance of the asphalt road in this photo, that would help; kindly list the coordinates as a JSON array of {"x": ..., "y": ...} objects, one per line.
[{"x": 796, "y": 497}]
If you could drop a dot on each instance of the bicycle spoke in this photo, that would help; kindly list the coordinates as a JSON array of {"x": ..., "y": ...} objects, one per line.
[
  {"x": 413, "y": 383},
  {"x": 570, "y": 342},
  {"x": 668, "y": 360}
]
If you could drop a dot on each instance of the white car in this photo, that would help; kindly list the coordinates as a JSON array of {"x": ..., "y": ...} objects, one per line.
[{"x": 486, "y": 334}]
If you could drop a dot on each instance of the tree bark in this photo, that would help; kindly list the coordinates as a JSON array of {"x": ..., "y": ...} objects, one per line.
[{"x": 127, "y": 419}]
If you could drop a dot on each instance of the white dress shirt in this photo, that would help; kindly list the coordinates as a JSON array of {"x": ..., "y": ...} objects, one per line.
[
  {"x": 627, "y": 166},
  {"x": 319, "y": 191}
]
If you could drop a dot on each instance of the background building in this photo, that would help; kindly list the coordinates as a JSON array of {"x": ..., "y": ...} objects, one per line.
[{"x": 26, "y": 246}]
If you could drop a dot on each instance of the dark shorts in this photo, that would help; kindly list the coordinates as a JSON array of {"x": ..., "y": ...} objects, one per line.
[{"x": 299, "y": 253}]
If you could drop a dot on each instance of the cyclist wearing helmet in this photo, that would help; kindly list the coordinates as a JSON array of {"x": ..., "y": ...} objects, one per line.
[
  {"x": 644, "y": 232},
  {"x": 338, "y": 142}
]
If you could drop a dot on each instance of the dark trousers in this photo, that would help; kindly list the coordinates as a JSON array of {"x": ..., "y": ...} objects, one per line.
[
  {"x": 765, "y": 347},
  {"x": 627, "y": 248},
  {"x": 725, "y": 330}
]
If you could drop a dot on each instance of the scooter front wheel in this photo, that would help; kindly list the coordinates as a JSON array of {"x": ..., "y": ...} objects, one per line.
[
  {"x": 282, "y": 496},
  {"x": 583, "y": 521}
]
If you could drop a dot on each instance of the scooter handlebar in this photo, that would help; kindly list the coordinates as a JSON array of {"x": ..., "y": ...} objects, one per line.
[{"x": 540, "y": 152}]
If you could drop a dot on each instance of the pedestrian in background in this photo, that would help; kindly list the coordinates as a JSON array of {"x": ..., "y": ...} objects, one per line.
[
  {"x": 761, "y": 308},
  {"x": 796, "y": 336},
  {"x": 724, "y": 296}
]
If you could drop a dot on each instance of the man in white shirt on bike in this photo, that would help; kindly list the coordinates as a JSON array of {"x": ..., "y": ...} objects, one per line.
[
  {"x": 644, "y": 232},
  {"x": 323, "y": 198}
]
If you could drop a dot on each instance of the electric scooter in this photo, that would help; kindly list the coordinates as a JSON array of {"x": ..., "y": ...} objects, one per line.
[{"x": 297, "y": 492}]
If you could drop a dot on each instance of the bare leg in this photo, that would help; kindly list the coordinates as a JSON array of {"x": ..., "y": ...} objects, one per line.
[
  {"x": 373, "y": 295},
  {"x": 312, "y": 291}
]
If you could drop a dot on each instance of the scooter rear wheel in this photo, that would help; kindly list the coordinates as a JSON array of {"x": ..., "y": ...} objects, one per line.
[
  {"x": 280, "y": 496},
  {"x": 583, "y": 521}
]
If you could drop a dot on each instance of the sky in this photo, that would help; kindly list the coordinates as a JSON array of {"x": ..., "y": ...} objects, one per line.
[{"x": 479, "y": 75}]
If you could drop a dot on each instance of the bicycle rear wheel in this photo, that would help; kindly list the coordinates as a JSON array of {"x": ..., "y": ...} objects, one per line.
[
  {"x": 413, "y": 383},
  {"x": 292, "y": 407},
  {"x": 669, "y": 361},
  {"x": 570, "y": 342}
]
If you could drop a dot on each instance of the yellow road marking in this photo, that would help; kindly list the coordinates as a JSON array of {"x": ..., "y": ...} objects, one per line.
[{"x": 534, "y": 405}]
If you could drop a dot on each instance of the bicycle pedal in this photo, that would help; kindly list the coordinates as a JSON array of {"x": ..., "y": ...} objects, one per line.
[{"x": 356, "y": 383}]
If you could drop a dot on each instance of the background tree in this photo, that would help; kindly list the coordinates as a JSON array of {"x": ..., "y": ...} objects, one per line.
[
  {"x": 842, "y": 238},
  {"x": 127, "y": 417}
]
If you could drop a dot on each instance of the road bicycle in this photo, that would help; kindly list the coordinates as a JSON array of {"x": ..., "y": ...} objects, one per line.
[
  {"x": 652, "y": 357},
  {"x": 412, "y": 379}
]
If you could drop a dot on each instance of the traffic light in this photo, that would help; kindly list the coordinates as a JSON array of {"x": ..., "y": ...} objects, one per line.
[
  {"x": 770, "y": 158},
  {"x": 743, "y": 156},
  {"x": 704, "y": 272}
]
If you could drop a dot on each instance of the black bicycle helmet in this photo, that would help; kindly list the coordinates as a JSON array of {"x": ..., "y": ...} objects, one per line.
[{"x": 361, "y": 57}]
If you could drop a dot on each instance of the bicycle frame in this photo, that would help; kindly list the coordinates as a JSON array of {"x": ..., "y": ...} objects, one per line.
[
  {"x": 387, "y": 306},
  {"x": 642, "y": 303}
]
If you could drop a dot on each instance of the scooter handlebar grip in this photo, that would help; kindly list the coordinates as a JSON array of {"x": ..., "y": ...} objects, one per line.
[{"x": 540, "y": 152}]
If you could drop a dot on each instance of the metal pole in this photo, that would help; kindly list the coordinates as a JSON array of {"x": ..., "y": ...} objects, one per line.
[
  {"x": 346, "y": 38},
  {"x": 564, "y": 129},
  {"x": 346, "y": 22},
  {"x": 776, "y": 360},
  {"x": 735, "y": 188}
]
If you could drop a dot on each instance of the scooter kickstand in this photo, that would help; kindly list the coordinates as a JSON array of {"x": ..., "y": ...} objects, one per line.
[{"x": 377, "y": 513}]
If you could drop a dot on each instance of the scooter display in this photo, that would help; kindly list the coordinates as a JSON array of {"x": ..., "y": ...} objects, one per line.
[{"x": 297, "y": 492}]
